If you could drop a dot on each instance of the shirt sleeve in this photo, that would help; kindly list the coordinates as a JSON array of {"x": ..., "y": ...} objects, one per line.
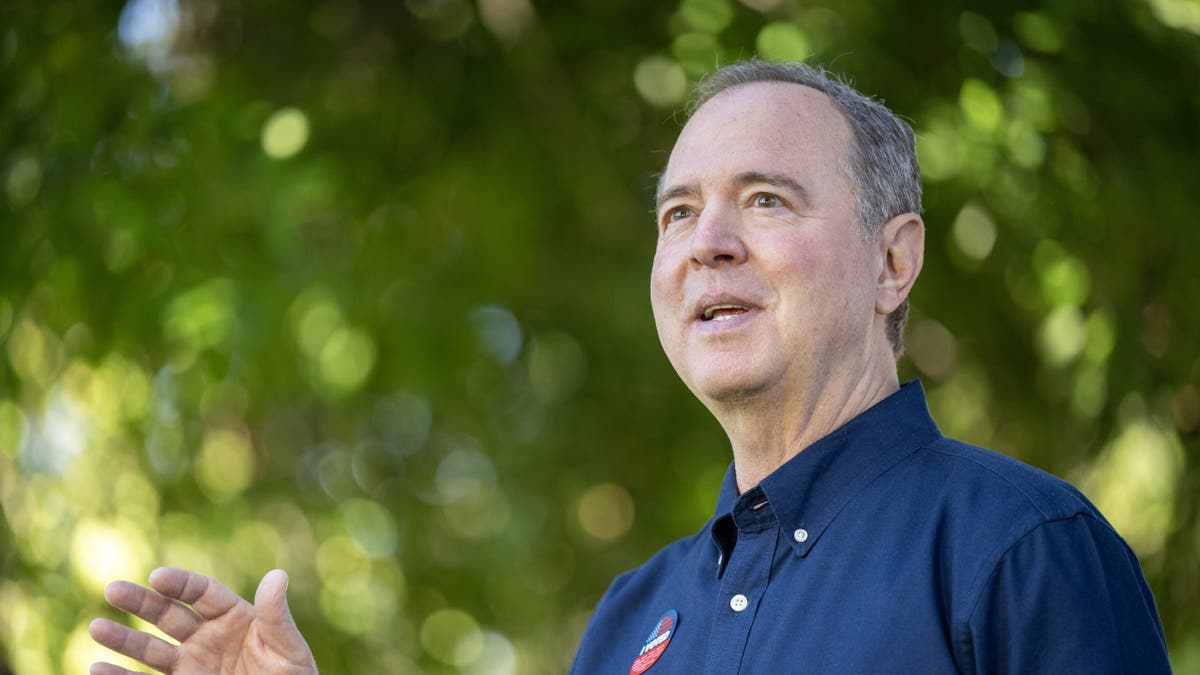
[
  {"x": 601, "y": 631},
  {"x": 1068, "y": 597}
]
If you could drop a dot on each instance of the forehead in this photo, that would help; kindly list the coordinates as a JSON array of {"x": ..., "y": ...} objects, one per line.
[{"x": 761, "y": 126}]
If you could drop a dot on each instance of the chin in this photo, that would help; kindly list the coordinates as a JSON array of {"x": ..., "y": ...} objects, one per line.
[{"x": 729, "y": 384}]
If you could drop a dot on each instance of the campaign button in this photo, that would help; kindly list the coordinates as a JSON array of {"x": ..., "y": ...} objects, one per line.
[{"x": 656, "y": 643}]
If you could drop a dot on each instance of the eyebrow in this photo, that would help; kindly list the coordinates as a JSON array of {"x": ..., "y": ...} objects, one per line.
[
  {"x": 675, "y": 191},
  {"x": 774, "y": 179},
  {"x": 742, "y": 179}
]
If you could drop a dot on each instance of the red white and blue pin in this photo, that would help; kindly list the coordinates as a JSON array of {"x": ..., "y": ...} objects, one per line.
[{"x": 656, "y": 643}]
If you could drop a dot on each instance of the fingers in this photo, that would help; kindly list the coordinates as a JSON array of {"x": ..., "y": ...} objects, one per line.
[
  {"x": 156, "y": 653},
  {"x": 209, "y": 597},
  {"x": 270, "y": 600},
  {"x": 279, "y": 629},
  {"x": 170, "y": 616},
  {"x": 101, "y": 668},
  {"x": 110, "y": 669}
]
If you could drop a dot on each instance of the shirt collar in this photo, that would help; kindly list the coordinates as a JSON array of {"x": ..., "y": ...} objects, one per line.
[{"x": 810, "y": 489}]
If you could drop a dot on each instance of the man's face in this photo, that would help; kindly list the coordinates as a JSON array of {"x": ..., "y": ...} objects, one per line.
[{"x": 762, "y": 280}]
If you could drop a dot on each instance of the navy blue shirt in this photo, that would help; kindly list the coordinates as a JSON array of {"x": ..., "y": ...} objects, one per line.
[{"x": 886, "y": 547}]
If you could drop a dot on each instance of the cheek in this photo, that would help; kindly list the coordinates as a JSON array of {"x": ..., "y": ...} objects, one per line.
[
  {"x": 665, "y": 282},
  {"x": 660, "y": 296},
  {"x": 667, "y": 293},
  {"x": 816, "y": 276}
]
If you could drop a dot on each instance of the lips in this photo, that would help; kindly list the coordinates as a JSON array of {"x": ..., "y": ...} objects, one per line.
[
  {"x": 722, "y": 307},
  {"x": 722, "y": 312}
]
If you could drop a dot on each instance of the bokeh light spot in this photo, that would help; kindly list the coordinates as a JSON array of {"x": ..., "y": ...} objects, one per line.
[
  {"x": 963, "y": 404},
  {"x": 403, "y": 421},
  {"x": 32, "y": 352},
  {"x": 202, "y": 317},
  {"x": 137, "y": 498},
  {"x": 1026, "y": 146},
  {"x": 285, "y": 133},
  {"x": 1039, "y": 31},
  {"x": 24, "y": 180},
  {"x": 148, "y": 22},
  {"x": 660, "y": 81},
  {"x": 606, "y": 511},
  {"x": 941, "y": 151},
  {"x": 357, "y": 604},
  {"x": 57, "y": 437},
  {"x": 225, "y": 464},
  {"x": 464, "y": 472},
  {"x": 340, "y": 556},
  {"x": 257, "y": 546},
  {"x": 557, "y": 366},
  {"x": 371, "y": 526},
  {"x": 497, "y": 332},
  {"x": 1179, "y": 14},
  {"x": 506, "y": 19},
  {"x": 980, "y": 105},
  {"x": 498, "y": 656},
  {"x": 709, "y": 16},
  {"x": 480, "y": 514},
  {"x": 346, "y": 360},
  {"x": 102, "y": 552},
  {"x": 316, "y": 325},
  {"x": 443, "y": 20},
  {"x": 977, "y": 32},
  {"x": 1133, "y": 482},
  {"x": 698, "y": 53},
  {"x": 1090, "y": 392},
  {"x": 781, "y": 41},
  {"x": 12, "y": 424},
  {"x": 1101, "y": 337},
  {"x": 974, "y": 231},
  {"x": 452, "y": 636},
  {"x": 1062, "y": 277},
  {"x": 1062, "y": 336},
  {"x": 931, "y": 348}
]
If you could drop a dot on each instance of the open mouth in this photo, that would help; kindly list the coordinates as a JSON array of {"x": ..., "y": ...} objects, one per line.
[{"x": 722, "y": 312}]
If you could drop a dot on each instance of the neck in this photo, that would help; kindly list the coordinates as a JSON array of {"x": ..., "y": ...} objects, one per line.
[{"x": 770, "y": 428}]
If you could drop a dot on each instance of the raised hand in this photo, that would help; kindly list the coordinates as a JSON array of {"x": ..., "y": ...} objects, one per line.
[{"x": 219, "y": 633}]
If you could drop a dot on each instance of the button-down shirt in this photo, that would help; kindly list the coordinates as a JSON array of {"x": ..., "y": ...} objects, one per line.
[{"x": 886, "y": 547}]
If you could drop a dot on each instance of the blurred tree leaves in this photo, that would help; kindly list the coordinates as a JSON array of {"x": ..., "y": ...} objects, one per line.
[{"x": 358, "y": 289}]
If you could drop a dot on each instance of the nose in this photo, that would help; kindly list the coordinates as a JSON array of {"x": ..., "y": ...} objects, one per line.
[{"x": 716, "y": 239}]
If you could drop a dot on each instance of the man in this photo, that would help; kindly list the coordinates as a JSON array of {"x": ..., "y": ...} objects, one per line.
[{"x": 849, "y": 535}]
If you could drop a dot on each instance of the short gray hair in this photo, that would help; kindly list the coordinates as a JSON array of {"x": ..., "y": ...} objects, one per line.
[{"x": 882, "y": 165}]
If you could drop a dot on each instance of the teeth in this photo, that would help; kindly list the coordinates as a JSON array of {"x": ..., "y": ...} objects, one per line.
[{"x": 708, "y": 313}]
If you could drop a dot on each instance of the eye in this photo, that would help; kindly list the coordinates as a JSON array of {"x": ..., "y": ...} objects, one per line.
[
  {"x": 765, "y": 200},
  {"x": 676, "y": 213}
]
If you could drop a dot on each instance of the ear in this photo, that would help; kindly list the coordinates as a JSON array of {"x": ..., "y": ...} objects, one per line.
[{"x": 901, "y": 243}]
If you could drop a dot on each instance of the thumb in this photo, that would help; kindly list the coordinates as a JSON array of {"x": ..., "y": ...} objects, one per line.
[{"x": 276, "y": 626}]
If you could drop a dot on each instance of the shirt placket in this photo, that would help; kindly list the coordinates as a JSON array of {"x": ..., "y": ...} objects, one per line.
[{"x": 744, "y": 578}]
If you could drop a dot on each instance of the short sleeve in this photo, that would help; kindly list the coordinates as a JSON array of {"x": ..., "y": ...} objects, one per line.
[{"x": 1068, "y": 597}]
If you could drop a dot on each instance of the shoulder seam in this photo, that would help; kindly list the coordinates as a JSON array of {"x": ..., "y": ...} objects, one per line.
[
  {"x": 1032, "y": 502},
  {"x": 1025, "y": 535},
  {"x": 1004, "y": 554}
]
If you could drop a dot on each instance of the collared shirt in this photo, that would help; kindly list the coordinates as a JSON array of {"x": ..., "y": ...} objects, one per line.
[{"x": 886, "y": 547}]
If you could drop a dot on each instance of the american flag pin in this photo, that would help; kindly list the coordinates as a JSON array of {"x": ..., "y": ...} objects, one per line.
[{"x": 656, "y": 643}]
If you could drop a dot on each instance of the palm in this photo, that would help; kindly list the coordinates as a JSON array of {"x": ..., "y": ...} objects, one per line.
[
  {"x": 218, "y": 632},
  {"x": 233, "y": 644}
]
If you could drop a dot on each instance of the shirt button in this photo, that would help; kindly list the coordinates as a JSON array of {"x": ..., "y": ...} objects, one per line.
[
  {"x": 800, "y": 535},
  {"x": 738, "y": 603}
]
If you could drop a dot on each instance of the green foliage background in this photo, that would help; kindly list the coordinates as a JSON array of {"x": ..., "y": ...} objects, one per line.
[{"x": 358, "y": 289}]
